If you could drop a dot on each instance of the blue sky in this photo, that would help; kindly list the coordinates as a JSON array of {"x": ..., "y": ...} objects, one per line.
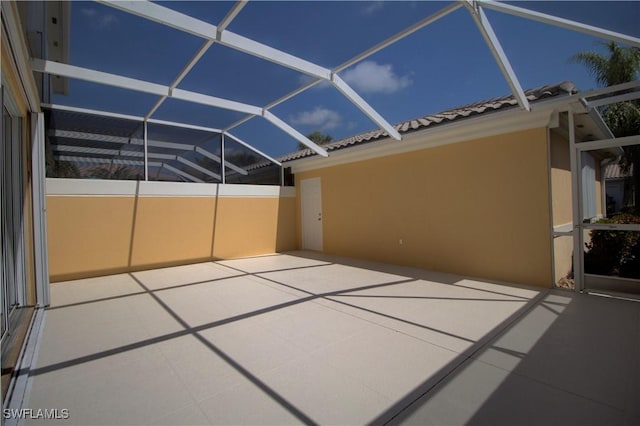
[{"x": 443, "y": 65}]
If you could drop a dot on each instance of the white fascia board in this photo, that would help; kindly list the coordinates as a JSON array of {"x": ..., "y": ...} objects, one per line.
[
  {"x": 346, "y": 90},
  {"x": 199, "y": 168},
  {"x": 492, "y": 41},
  {"x": 165, "y": 16},
  {"x": 256, "y": 150},
  {"x": 560, "y": 22},
  {"x": 214, "y": 101},
  {"x": 254, "y": 48},
  {"x": 100, "y": 77},
  {"x": 97, "y": 187},
  {"x": 293, "y": 132},
  {"x": 469, "y": 129}
]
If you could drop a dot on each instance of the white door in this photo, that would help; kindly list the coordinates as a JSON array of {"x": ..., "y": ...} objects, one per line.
[{"x": 311, "y": 201}]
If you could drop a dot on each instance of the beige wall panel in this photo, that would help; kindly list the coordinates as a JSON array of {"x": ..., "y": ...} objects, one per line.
[
  {"x": 252, "y": 226},
  {"x": 88, "y": 235},
  {"x": 92, "y": 236},
  {"x": 563, "y": 256},
  {"x": 172, "y": 229},
  {"x": 477, "y": 208},
  {"x": 560, "y": 180}
]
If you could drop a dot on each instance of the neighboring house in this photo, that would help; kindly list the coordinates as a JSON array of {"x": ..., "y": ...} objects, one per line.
[{"x": 619, "y": 187}]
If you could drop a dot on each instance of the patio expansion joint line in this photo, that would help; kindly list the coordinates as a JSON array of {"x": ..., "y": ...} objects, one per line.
[
  {"x": 139, "y": 293},
  {"x": 552, "y": 386},
  {"x": 293, "y": 410},
  {"x": 470, "y": 353}
]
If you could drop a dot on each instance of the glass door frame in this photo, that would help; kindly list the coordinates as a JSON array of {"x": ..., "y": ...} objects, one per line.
[{"x": 579, "y": 227}]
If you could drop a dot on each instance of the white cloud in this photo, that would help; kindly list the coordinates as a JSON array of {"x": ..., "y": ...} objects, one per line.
[
  {"x": 371, "y": 77},
  {"x": 89, "y": 12},
  {"x": 372, "y": 7},
  {"x": 107, "y": 21},
  {"x": 319, "y": 118},
  {"x": 100, "y": 21}
]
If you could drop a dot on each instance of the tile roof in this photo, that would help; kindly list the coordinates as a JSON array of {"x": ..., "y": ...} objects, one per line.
[
  {"x": 432, "y": 120},
  {"x": 616, "y": 171}
]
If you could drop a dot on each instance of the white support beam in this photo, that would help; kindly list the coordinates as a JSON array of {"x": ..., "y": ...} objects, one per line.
[
  {"x": 199, "y": 168},
  {"x": 252, "y": 47},
  {"x": 613, "y": 99},
  {"x": 133, "y": 141},
  {"x": 181, "y": 173},
  {"x": 93, "y": 76},
  {"x": 184, "y": 126},
  {"x": 231, "y": 15},
  {"x": 217, "y": 159},
  {"x": 294, "y": 133},
  {"x": 59, "y": 107},
  {"x": 346, "y": 90},
  {"x": 214, "y": 101},
  {"x": 194, "y": 60},
  {"x": 560, "y": 22},
  {"x": 69, "y": 134},
  {"x": 386, "y": 43},
  {"x": 96, "y": 160},
  {"x": 140, "y": 86},
  {"x": 238, "y": 123},
  {"x": 112, "y": 152},
  {"x": 165, "y": 16},
  {"x": 608, "y": 143},
  {"x": 399, "y": 36},
  {"x": 256, "y": 150},
  {"x": 492, "y": 41}
]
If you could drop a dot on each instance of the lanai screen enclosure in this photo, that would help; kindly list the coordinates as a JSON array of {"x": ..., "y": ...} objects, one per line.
[{"x": 159, "y": 111}]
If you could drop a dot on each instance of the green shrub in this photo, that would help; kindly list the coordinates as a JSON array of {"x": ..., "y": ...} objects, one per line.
[{"x": 614, "y": 252}]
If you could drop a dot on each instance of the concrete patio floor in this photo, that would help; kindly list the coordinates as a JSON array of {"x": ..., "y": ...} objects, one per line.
[{"x": 304, "y": 338}]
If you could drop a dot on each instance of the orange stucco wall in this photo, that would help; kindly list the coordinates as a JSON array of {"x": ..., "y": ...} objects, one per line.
[
  {"x": 98, "y": 235},
  {"x": 478, "y": 208}
]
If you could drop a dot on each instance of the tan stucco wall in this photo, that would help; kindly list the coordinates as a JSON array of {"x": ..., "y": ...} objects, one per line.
[
  {"x": 562, "y": 252},
  {"x": 477, "y": 208},
  {"x": 97, "y": 235},
  {"x": 560, "y": 180}
]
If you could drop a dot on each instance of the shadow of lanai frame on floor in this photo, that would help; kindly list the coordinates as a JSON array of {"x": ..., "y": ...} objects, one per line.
[{"x": 23, "y": 103}]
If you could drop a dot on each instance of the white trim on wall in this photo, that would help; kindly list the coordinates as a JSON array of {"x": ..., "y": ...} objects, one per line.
[
  {"x": 470, "y": 129},
  {"x": 96, "y": 187}
]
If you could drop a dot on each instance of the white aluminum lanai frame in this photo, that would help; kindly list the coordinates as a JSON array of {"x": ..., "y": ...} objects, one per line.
[{"x": 219, "y": 34}]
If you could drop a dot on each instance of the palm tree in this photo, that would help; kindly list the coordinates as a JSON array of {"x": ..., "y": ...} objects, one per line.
[
  {"x": 621, "y": 65},
  {"x": 316, "y": 137}
]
